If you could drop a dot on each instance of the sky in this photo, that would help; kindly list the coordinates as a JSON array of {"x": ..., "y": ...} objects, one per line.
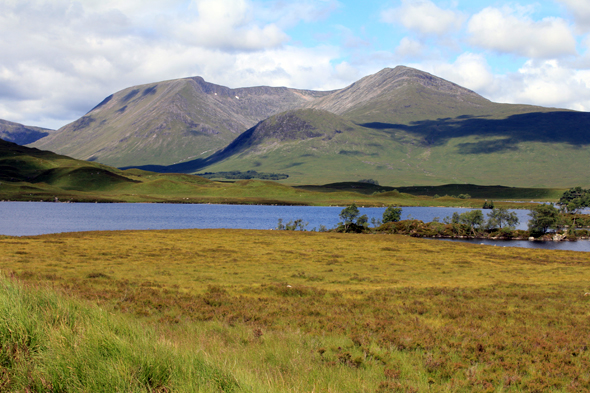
[{"x": 60, "y": 58}]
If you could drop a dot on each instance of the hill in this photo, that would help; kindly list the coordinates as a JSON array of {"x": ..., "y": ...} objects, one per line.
[
  {"x": 21, "y": 134},
  {"x": 310, "y": 146},
  {"x": 29, "y": 174}
]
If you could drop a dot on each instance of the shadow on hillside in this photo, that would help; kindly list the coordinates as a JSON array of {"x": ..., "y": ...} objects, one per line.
[
  {"x": 548, "y": 127},
  {"x": 238, "y": 145}
]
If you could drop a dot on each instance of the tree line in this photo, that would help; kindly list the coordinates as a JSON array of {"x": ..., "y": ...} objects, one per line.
[{"x": 500, "y": 222}]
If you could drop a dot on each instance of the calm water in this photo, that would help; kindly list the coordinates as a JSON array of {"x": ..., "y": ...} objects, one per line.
[{"x": 36, "y": 218}]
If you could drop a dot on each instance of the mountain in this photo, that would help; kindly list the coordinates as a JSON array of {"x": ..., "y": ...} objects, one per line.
[
  {"x": 403, "y": 95},
  {"x": 400, "y": 126},
  {"x": 170, "y": 122},
  {"x": 20, "y": 134},
  {"x": 538, "y": 149}
]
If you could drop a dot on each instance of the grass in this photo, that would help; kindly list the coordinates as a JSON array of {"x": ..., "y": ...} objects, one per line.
[
  {"x": 289, "y": 312},
  {"x": 50, "y": 343}
]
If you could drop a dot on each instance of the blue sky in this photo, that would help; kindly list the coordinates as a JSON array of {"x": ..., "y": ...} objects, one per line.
[{"x": 59, "y": 58}]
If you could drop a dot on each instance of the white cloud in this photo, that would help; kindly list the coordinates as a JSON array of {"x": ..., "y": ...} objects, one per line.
[
  {"x": 60, "y": 58},
  {"x": 409, "y": 48},
  {"x": 424, "y": 17},
  {"x": 548, "y": 83},
  {"x": 580, "y": 10},
  {"x": 508, "y": 31},
  {"x": 226, "y": 25},
  {"x": 469, "y": 70},
  {"x": 290, "y": 13},
  {"x": 538, "y": 82}
]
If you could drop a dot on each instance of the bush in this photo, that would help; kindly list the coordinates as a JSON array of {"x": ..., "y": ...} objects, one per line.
[{"x": 292, "y": 225}]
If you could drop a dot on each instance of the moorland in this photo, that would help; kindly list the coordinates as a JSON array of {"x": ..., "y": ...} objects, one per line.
[{"x": 284, "y": 311}]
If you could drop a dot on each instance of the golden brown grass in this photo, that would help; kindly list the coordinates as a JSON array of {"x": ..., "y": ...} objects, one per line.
[{"x": 297, "y": 311}]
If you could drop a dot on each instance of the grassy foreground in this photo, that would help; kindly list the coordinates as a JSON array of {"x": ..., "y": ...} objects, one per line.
[{"x": 277, "y": 311}]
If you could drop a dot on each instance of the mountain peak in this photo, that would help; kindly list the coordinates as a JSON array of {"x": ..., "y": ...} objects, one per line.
[{"x": 396, "y": 94}]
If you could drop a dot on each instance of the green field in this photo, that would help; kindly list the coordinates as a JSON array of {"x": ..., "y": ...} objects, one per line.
[{"x": 280, "y": 311}]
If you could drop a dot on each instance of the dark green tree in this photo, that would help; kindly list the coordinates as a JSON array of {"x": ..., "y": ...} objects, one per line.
[
  {"x": 474, "y": 219},
  {"x": 543, "y": 218},
  {"x": 500, "y": 216},
  {"x": 392, "y": 214},
  {"x": 574, "y": 199},
  {"x": 349, "y": 214},
  {"x": 352, "y": 220}
]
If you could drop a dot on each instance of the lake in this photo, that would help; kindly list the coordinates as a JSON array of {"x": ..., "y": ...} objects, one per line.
[{"x": 36, "y": 218}]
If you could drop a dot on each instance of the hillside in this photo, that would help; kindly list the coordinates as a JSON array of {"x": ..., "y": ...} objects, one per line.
[
  {"x": 169, "y": 122},
  {"x": 541, "y": 149},
  {"x": 29, "y": 174},
  {"x": 21, "y": 134}
]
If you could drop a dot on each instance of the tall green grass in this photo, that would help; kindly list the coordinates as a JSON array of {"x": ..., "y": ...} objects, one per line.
[{"x": 50, "y": 343}]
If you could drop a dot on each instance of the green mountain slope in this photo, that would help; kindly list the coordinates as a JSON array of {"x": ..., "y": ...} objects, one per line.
[
  {"x": 318, "y": 147},
  {"x": 20, "y": 134},
  {"x": 168, "y": 122},
  {"x": 29, "y": 174}
]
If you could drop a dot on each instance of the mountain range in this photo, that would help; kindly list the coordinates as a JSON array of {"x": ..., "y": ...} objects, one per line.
[
  {"x": 400, "y": 126},
  {"x": 21, "y": 134}
]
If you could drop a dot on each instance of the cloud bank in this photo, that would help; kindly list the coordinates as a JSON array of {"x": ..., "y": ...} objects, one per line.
[{"x": 60, "y": 58}]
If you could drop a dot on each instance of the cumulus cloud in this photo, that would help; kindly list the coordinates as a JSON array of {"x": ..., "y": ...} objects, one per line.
[
  {"x": 225, "y": 25},
  {"x": 424, "y": 17},
  {"x": 289, "y": 13},
  {"x": 470, "y": 70},
  {"x": 61, "y": 58},
  {"x": 508, "y": 31},
  {"x": 549, "y": 83},
  {"x": 538, "y": 82}
]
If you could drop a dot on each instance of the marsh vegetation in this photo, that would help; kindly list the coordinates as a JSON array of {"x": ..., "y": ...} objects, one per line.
[{"x": 292, "y": 311}]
